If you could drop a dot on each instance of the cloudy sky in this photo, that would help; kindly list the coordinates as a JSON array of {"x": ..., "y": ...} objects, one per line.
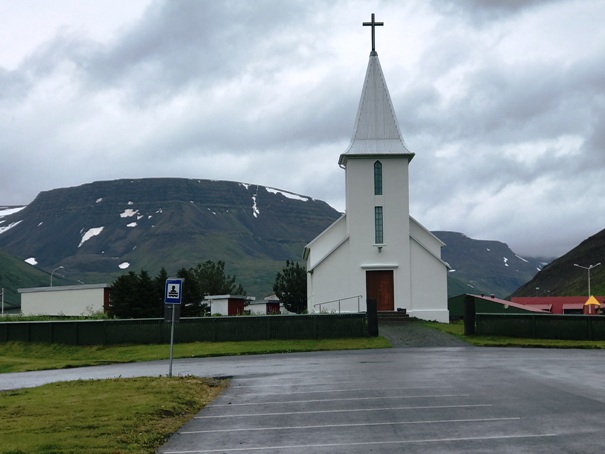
[{"x": 503, "y": 102}]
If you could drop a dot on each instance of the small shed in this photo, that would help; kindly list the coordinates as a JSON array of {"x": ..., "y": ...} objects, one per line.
[
  {"x": 228, "y": 304},
  {"x": 68, "y": 300},
  {"x": 592, "y": 306},
  {"x": 270, "y": 305}
]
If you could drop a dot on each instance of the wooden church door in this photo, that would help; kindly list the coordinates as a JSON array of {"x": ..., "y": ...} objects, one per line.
[{"x": 379, "y": 286}]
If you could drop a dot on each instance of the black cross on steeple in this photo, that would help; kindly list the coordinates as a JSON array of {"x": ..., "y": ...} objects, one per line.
[{"x": 373, "y": 24}]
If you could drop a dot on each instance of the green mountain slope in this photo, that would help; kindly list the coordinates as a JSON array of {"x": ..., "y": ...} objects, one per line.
[
  {"x": 15, "y": 274},
  {"x": 101, "y": 230},
  {"x": 563, "y": 278}
]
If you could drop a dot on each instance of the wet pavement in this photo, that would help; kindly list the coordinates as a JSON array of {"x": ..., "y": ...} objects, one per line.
[
  {"x": 412, "y": 334},
  {"x": 414, "y": 400}
]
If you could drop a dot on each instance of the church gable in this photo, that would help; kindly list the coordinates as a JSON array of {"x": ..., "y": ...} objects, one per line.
[{"x": 376, "y": 130}]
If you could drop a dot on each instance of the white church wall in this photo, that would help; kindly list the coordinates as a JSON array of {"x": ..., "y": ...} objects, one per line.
[
  {"x": 425, "y": 237},
  {"x": 326, "y": 242},
  {"x": 428, "y": 285},
  {"x": 330, "y": 281}
]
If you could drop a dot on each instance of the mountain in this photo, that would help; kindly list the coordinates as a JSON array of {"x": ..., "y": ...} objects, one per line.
[
  {"x": 563, "y": 278},
  {"x": 482, "y": 266},
  {"x": 101, "y": 230},
  {"x": 15, "y": 274}
]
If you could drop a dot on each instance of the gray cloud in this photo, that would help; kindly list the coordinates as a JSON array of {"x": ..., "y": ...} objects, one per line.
[{"x": 505, "y": 116}]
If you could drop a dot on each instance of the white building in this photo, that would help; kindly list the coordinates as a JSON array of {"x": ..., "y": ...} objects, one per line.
[
  {"x": 270, "y": 305},
  {"x": 227, "y": 304},
  {"x": 376, "y": 250},
  {"x": 68, "y": 300}
]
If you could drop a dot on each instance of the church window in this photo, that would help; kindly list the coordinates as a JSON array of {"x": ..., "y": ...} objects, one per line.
[
  {"x": 378, "y": 226},
  {"x": 377, "y": 178}
]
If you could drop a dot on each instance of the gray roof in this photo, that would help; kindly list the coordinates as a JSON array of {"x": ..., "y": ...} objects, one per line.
[{"x": 376, "y": 130}]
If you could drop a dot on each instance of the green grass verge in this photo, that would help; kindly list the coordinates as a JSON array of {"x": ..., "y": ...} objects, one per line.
[
  {"x": 20, "y": 356},
  {"x": 134, "y": 415},
  {"x": 457, "y": 329}
]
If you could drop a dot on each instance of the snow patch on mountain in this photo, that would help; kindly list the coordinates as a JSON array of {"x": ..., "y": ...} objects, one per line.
[
  {"x": 127, "y": 213},
  {"x": 6, "y": 211},
  {"x": 8, "y": 227},
  {"x": 90, "y": 233},
  {"x": 255, "y": 210},
  {"x": 289, "y": 195}
]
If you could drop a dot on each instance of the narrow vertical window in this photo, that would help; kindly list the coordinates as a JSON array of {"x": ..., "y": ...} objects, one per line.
[
  {"x": 377, "y": 178},
  {"x": 378, "y": 226}
]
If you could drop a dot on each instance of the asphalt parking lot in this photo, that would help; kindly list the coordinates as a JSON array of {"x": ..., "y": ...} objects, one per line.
[
  {"x": 413, "y": 400},
  {"x": 416, "y": 400}
]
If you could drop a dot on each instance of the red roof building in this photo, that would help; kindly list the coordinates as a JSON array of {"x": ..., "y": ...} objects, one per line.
[{"x": 558, "y": 304}]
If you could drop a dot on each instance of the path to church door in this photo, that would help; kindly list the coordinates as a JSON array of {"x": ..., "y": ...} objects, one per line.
[{"x": 379, "y": 286}]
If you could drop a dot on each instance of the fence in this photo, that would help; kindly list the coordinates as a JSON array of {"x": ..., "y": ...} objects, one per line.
[
  {"x": 213, "y": 329},
  {"x": 320, "y": 306},
  {"x": 542, "y": 326}
]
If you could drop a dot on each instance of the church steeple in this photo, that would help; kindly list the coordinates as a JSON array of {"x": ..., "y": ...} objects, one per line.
[{"x": 376, "y": 129}]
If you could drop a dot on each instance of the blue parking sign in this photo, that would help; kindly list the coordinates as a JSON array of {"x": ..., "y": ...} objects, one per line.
[{"x": 173, "y": 291}]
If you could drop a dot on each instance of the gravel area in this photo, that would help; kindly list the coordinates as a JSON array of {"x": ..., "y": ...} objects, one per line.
[{"x": 411, "y": 334}]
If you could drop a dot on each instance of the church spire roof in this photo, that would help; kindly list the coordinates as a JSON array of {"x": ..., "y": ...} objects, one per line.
[{"x": 376, "y": 128}]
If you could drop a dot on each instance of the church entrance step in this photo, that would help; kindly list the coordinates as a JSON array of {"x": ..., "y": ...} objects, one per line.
[{"x": 393, "y": 316}]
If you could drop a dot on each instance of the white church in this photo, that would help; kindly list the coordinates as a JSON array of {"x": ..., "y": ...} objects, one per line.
[{"x": 376, "y": 250}]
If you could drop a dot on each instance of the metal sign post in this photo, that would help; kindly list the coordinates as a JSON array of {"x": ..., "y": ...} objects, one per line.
[{"x": 172, "y": 296}]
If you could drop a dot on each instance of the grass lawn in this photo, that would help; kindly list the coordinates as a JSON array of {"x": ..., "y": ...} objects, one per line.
[
  {"x": 457, "y": 329},
  {"x": 118, "y": 416},
  {"x": 21, "y": 356}
]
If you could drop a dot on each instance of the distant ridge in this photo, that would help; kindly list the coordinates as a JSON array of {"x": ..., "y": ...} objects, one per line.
[
  {"x": 98, "y": 231},
  {"x": 484, "y": 266}
]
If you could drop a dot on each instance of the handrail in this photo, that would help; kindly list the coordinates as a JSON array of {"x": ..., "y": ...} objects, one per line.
[{"x": 342, "y": 299}]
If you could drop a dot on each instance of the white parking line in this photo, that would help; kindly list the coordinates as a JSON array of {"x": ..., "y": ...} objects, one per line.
[
  {"x": 331, "y": 426},
  {"x": 368, "y": 443},
  {"x": 399, "y": 388},
  {"x": 290, "y": 385},
  {"x": 427, "y": 407},
  {"x": 428, "y": 396}
]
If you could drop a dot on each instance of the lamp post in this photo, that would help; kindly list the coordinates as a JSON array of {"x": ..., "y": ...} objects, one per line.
[
  {"x": 587, "y": 268},
  {"x": 52, "y": 272}
]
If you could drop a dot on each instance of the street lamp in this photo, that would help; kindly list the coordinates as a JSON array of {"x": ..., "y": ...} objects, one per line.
[
  {"x": 587, "y": 268},
  {"x": 51, "y": 274}
]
